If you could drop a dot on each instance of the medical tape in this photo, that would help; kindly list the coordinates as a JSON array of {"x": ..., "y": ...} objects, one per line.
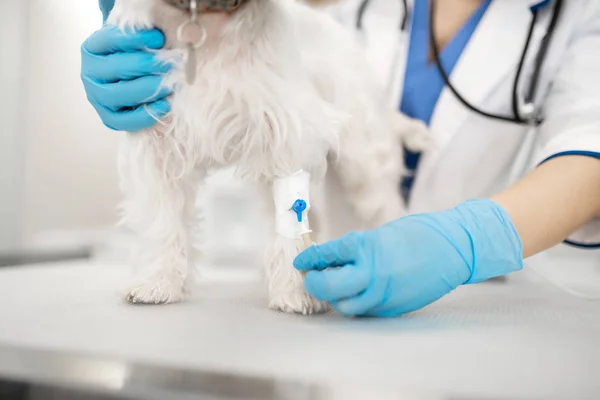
[{"x": 292, "y": 202}]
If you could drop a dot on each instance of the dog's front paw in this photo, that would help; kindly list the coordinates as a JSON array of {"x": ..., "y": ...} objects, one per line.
[
  {"x": 156, "y": 291},
  {"x": 417, "y": 137},
  {"x": 297, "y": 302}
]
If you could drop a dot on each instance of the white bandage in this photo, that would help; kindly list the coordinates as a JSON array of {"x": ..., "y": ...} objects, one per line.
[{"x": 286, "y": 191}]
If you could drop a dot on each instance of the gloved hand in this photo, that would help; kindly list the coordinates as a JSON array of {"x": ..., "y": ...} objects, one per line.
[
  {"x": 122, "y": 80},
  {"x": 413, "y": 261}
]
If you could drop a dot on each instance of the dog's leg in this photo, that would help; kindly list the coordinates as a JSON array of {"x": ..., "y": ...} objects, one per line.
[
  {"x": 413, "y": 133},
  {"x": 286, "y": 284},
  {"x": 160, "y": 191},
  {"x": 370, "y": 172},
  {"x": 370, "y": 165}
]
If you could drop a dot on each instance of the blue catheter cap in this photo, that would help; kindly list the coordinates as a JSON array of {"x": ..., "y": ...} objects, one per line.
[{"x": 299, "y": 207}]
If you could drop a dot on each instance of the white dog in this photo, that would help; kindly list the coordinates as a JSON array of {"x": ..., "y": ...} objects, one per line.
[{"x": 274, "y": 88}]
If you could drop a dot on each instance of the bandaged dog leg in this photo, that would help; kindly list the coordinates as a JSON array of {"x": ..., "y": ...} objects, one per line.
[
  {"x": 291, "y": 197},
  {"x": 292, "y": 203}
]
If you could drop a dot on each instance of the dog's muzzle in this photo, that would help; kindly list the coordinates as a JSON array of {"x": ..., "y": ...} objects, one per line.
[{"x": 208, "y": 5}]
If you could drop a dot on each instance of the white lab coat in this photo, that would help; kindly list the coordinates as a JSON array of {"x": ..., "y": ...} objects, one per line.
[{"x": 477, "y": 157}]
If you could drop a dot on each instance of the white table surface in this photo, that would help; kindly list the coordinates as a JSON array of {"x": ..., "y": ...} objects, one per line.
[{"x": 523, "y": 339}]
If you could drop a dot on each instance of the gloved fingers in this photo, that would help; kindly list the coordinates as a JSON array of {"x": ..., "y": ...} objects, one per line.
[
  {"x": 110, "y": 39},
  {"x": 122, "y": 66},
  {"x": 137, "y": 119},
  {"x": 127, "y": 94},
  {"x": 375, "y": 295},
  {"x": 336, "y": 284},
  {"x": 336, "y": 253}
]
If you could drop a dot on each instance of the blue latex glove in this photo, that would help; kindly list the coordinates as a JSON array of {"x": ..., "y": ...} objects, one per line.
[
  {"x": 413, "y": 261},
  {"x": 122, "y": 80}
]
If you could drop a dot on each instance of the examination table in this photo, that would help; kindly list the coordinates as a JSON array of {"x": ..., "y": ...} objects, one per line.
[{"x": 66, "y": 324}]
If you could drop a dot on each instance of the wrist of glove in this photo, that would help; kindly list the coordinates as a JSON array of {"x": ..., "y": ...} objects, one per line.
[
  {"x": 484, "y": 236},
  {"x": 413, "y": 261}
]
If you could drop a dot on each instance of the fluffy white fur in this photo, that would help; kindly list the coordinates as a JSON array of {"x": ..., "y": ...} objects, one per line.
[{"x": 280, "y": 87}]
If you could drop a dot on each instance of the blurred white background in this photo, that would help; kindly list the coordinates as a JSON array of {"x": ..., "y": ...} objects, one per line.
[
  {"x": 70, "y": 170},
  {"x": 13, "y": 40},
  {"x": 57, "y": 159}
]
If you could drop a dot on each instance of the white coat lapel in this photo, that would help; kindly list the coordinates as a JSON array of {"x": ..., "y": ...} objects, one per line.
[{"x": 489, "y": 59}]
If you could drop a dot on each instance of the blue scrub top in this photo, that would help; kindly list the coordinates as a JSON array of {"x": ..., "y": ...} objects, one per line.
[{"x": 423, "y": 83}]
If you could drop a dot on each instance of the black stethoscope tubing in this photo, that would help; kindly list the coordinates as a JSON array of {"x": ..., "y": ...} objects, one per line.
[{"x": 539, "y": 62}]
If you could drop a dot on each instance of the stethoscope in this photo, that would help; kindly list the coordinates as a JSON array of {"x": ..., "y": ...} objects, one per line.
[{"x": 526, "y": 114}]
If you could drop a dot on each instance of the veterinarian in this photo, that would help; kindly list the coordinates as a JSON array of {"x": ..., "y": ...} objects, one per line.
[{"x": 511, "y": 93}]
